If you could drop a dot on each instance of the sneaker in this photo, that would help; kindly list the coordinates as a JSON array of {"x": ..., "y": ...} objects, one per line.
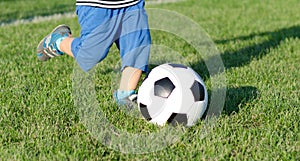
[
  {"x": 127, "y": 101},
  {"x": 125, "y": 97},
  {"x": 47, "y": 47}
]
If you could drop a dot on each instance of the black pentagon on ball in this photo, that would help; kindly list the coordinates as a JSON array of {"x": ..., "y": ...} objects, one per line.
[
  {"x": 144, "y": 111},
  {"x": 178, "y": 66},
  {"x": 177, "y": 119},
  {"x": 198, "y": 91},
  {"x": 163, "y": 87}
]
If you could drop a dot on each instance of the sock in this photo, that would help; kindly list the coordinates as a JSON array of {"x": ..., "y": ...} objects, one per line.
[{"x": 58, "y": 42}]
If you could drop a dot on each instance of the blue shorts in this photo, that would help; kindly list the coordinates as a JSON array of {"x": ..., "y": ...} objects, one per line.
[{"x": 100, "y": 28}]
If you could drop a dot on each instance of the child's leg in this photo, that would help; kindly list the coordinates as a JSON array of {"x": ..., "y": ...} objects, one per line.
[
  {"x": 134, "y": 45},
  {"x": 130, "y": 78},
  {"x": 65, "y": 46}
]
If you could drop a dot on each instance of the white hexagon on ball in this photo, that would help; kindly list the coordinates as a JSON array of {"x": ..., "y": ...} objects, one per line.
[{"x": 173, "y": 94}]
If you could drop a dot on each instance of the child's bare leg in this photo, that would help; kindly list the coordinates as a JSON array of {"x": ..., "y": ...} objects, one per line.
[
  {"x": 65, "y": 46},
  {"x": 130, "y": 78}
]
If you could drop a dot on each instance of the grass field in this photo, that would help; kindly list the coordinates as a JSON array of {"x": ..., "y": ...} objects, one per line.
[{"x": 259, "y": 42}]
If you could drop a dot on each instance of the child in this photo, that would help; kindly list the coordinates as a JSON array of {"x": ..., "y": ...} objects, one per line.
[{"x": 102, "y": 22}]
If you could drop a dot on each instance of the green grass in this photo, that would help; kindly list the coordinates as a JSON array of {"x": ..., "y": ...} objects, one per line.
[
  {"x": 259, "y": 43},
  {"x": 12, "y": 10}
]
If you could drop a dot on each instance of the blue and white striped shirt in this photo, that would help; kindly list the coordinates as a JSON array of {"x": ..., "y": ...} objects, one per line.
[{"x": 107, "y": 3}]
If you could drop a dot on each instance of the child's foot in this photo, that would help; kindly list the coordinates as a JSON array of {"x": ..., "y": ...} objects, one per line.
[
  {"x": 49, "y": 45},
  {"x": 125, "y": 97},
  {"x": 128, "y": 99}
]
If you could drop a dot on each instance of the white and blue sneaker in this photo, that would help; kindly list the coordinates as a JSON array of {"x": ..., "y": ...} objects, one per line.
[
  {"x": 49, "y": 45},
  {"x": 127, "y": 101},
  {"x": 125, "y": 97}
]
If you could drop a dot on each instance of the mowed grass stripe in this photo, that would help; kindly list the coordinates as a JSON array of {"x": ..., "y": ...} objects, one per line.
[{"x": 39, "y": 19}]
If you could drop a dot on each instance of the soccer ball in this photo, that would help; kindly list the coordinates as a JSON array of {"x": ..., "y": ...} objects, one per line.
[{"x": 173, "y": 94}]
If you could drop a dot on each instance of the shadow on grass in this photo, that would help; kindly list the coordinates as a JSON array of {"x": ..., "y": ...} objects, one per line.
[
  {"x": 236, "y": 97},
  {"x": 239, "y": 96},
  {"x": 244, "y": 56}
]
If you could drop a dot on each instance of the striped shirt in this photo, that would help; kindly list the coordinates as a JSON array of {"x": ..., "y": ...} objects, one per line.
[{"x": 107, "y": 3}]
